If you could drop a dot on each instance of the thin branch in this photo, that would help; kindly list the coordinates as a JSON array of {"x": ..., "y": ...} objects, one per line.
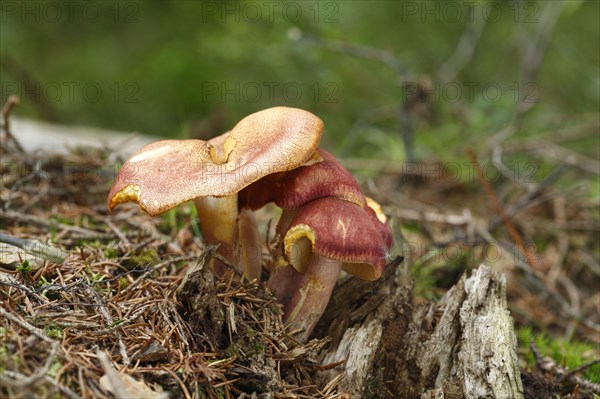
[
  {"x": 548, "y": 149},
  {"x": 385, "y": 57},
  {"x": 533, "y": 53},
  {"x": 20, "y": 217},
  {"x": 109, "y": 320},
  {"x": 33, "y": 330},
  {"x": 548, "y": 365},
  {"x": 464, "y": 51},
  {"x": 370, "y": 53},
  {"x": 529, "y": 257},
  {"x": 35, "y": 248},
  {"x": 582, "y": 368},
  {"x": 526, "y": 200},
  {"x": 23, "y": 382},
  {"x": 12, "y": 101}
]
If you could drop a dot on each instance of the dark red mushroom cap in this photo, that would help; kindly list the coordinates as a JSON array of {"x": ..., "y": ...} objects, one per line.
[
  {"x": 323, "y": 176},
  {"x": 337, "y": 230},
  {"x": 167, "y": 173}
]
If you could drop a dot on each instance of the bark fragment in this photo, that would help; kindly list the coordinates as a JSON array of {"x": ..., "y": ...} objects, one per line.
[{"x": 462, "y": 346}]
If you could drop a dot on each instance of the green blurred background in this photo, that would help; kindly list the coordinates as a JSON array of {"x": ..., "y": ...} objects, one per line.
[{"x": 193, "y": 69}]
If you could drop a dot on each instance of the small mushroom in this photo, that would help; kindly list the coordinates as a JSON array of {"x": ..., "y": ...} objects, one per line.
[
  {"x": 320, "y": 177},
  {"x": 324, "y": 237},
  {"x": 166, "y": 173}
]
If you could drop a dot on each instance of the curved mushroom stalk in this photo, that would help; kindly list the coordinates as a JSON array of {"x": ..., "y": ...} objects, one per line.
[
  {"x": 250, "y": 253},
  {"x": 218, "y": 222},
  {"x": 307, "y": 295},
  {"x": 235, "y": 231}
]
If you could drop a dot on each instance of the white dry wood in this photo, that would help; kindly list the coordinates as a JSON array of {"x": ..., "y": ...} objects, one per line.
[
  {"x": 358, "y": 348},
  {"x": 462, "y": 346}
]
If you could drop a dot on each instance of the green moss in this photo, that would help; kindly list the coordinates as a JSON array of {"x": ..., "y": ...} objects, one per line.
[
  {"x": 232, "y": 350},
  {"x": 111, "y": 253},
  {"x": 115, "y": 324},
  {"x": 145, "y": 258},
  {"x": 53, "y": 332},
  {"x": 567, "y": 353},
  {"x": 176, "y": 219},
  {"x": 258, "y": 347},
  {"x": 94, "y": 277},
  {"x": 54, "y": 368},
  {"x": 123, "y": 283},
  {"x": 3, "y": 358},
  {"x": 24, "y": 269}
]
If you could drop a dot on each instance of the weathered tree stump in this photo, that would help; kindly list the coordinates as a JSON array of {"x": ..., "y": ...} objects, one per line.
[{"x": 462, "y": 346}]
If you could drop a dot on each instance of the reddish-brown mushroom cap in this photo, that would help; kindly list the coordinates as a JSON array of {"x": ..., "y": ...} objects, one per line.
[
  {"x": 167, "y": 173},
  {"x": 323, "y": 176},
  {"x": 337, "y": 230}
]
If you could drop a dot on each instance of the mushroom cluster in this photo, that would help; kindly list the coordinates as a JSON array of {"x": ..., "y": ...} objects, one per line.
[{"x": 327, "y": 225}]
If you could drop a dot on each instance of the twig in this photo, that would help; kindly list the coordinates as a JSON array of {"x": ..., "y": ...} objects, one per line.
[
  {"x": 558, "y": 153},
  {"x": 118, "y": 232},
  {"x": 20, "y": 381},
  {"x": 228, "y": 263},
  {"x": 20, "y": 217},
  {"x": 33, "y": 330},
  {"x": 151, "y": 270},
  {"x": 109, "y": 320},
  {"x": 35, "y": 248},
  {"x": 61, "y": 387},
  {"x": 464, "y": 49},
  {"x": 8, "y": 281},
  {"x": 31, "y": 86},
  {"x": 535, "y": 49},
  {"x": 529, "y": 257},
  {"x": 434, "y": 217},
  {"x": 36, "y": 172},
  {"x": 7, "y": 108},
  {"x": 371, "y": 53},
  {"x": 548, "y": 365},
  {"x": 538, "y": 280},
  {"x": 582, "y": 367},
  {"x": 527, "y": 199},
  {"x": 118, "y": 388},
  {"x": 385, "y": 57},
  {"x": 23, "y": 381},
  {"x": 407, "y": 130}
]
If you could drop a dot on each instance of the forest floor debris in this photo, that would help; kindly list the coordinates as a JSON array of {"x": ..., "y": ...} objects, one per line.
[{"x": 111, "y": 319}]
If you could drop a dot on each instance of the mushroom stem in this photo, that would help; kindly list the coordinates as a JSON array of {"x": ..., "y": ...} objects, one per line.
[
  {"x": 250, "y": 246},
  {"x": 305, "y": 296},
  {"x": 219, "y": 225}
]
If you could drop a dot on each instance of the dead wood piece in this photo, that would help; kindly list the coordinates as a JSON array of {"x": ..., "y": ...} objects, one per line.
[
  {"x": 357, "y": 351},
  {"x": 11, "y": 257},
  {"x": 123, "y": 385},
  {"x": 37, "y": 249},
  {"x": 154, "y": 352},
  {"x": 487, "y": 358},
  {"x": 462, "y": 346}
]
